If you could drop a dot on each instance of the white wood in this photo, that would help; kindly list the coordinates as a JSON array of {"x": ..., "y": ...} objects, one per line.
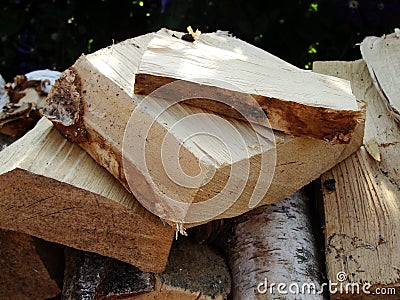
[
  {"x": 382, "y": 55},
  {"x": 52, "y": 189}
]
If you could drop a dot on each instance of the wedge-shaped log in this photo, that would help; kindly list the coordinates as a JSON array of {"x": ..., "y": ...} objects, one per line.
[
  {"x": 93, "y": 104},
  {"x": 362, "y": 198},
  {"x": 30, "y": 268},
  {"x": 50, "y": 188},
  {"x": 297, "y": 102},
  {"x": 194, "y": 272}
]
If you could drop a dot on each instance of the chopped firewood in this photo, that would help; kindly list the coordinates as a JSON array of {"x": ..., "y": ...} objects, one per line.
[
  {"x": 194, "y": 272},
  {"x": 92, "y": 276},
  {"x": 362, "y": 224},
  {"x": 51, "y": 189},
  {"x": 93, "y": 105},
  {"x": 22, "y": 100},
  {"x": 382, "y": 56},
  {"x": 28, "y": 272},
  {"x": 295, "y": 101},
  {"x": 273, "y": 246}
]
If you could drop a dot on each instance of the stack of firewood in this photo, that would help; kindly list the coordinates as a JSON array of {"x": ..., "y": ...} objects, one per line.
[{"x": 173, "y": 166}]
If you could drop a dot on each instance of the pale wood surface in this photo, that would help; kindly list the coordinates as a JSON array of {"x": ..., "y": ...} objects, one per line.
[
  {"x": 276, "y": 243},
  {"x": 220, "y": 67},
  {"x": 102, "y": 99},
  {"x": 382, "y": 55},
  {"x": 51, "y": 188},
  {"x": 25, "y": 273},
  {"x": 362, "y": 204},
  {"x": 194, "y": 272}
]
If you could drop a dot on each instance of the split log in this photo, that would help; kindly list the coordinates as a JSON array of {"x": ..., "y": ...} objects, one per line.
[
  {"x": 382, "y": 56},
  {"x": 224, "y": 68},
  {"x": 28, "y": 272},
  {"x": 92, "y": 104},
  {"x": 362, "y": 196},
  {"x": 53, "y": 190},
  {"x": 193, "y": 272},
  {"x": 274, "y": 245}
]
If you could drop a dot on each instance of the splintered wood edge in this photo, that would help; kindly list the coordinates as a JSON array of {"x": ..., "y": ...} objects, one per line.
[{"x": 334, "y": 126}]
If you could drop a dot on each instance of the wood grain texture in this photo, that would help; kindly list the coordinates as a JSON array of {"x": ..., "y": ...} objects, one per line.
[
  {"x": 295, "y": 101},
  {"x": 25, "y": 272},
  {"x": 273, "y": 245},
  {"x": 362, "y": 196},
  {"x": 382, "y": 55},
  {"x": 92, "y": 105},
  {"x": 51, "y": 188}
]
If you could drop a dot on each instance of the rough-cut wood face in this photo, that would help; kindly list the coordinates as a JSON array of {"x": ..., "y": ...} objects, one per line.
[
  {"x": 362, "y": 194},
  {"x": 51, "y": 188},
  {"x": 295, "y": 101},
  {"x": 92, "y": 276},
  {"x": 108, "y": 107}
]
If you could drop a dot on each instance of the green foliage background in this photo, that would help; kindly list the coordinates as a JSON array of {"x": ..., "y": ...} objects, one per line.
[{"x": 52, "y": 34}]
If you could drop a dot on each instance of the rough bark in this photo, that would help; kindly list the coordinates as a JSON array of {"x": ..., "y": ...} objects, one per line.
[
  {"x": 274, "y": 244},
  {"x": 30, "y": 268},
  {"x": 193, "y": 272}
]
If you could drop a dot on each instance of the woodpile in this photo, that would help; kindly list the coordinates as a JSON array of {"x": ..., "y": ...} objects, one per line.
[{"x": 171, "y": 134}]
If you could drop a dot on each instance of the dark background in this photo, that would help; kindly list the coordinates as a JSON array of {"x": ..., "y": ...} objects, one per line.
[{"x": 53, "y": 33}]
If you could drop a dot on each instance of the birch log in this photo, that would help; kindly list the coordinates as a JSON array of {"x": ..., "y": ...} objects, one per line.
[
  {"x": 274, "y": 245},
  {"x": 21, "y": 100},
  {"x": 224, "y": 68},
  {"x": 362, "y": 197},
  {"x": 92, "y": 105},
  {"x": 194, "y": 272},
  {"x": 28, "y": 272},
  {"x": 50, "y": 188}
]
